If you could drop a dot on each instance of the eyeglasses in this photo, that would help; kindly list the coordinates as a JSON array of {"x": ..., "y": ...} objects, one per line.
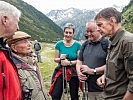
[{"x": 68, "y": 32}]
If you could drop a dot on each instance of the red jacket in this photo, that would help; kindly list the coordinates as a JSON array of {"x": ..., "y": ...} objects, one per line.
[
  {"x": 58, "y": 73},
  {"x": 10, "y": 89}
]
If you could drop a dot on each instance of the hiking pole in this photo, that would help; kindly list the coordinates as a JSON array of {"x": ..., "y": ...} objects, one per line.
[
  {"x": 63, "y": 73},
  {"x": 66, "y": 84},
  {"x": 63, "y": 57},
  {"x": 85, "y": 89}
]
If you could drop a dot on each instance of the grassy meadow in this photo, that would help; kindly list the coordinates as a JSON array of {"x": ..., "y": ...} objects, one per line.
[{"x": 48, "y": 65}]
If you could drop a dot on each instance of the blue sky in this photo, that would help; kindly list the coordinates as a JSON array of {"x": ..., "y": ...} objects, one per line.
[{"x": 47, "y": 5}]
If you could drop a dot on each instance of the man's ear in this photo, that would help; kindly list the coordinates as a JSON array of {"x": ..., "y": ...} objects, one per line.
[
  {"x": 4, "y": 19},
  {"x": 112, "y": 20},
  {"x": 13, "y": 47}
]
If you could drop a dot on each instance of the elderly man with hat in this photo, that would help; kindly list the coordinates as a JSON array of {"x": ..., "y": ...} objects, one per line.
[{"x": 29, "y": 74}]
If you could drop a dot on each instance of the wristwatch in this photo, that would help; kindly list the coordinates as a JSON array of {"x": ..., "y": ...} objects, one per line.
[{"x": 95, "y": 71}]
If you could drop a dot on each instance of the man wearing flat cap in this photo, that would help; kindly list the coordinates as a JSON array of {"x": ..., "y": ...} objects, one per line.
[
  {"x": 17, "y": 37},
  {"x": 29, "y": 74}
]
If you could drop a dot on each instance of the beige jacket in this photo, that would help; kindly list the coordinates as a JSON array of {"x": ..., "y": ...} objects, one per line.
[{"x": 30, "y": 76}]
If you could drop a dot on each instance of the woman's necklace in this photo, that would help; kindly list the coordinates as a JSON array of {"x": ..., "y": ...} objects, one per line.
[{"x": 68, "y": 43}]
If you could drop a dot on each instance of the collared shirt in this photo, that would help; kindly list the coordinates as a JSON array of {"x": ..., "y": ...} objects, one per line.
[
  {"x": 119, "y": 72},
  {"x": 93, "y": 54}
]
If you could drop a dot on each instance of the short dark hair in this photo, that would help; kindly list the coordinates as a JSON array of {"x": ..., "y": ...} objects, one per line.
[
  {"x": 69, "y": 25},
  {"x": 109, "y": 12}
]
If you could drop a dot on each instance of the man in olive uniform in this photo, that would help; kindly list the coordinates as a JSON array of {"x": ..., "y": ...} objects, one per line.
[{"x": 118, "y": 78}]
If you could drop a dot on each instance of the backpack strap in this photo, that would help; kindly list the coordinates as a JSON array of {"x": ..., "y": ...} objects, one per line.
[
  {"x": 104, "y": 43},
  {"x": 84, "y": 46}
]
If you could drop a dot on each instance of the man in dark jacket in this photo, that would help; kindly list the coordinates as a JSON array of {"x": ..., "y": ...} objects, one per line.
[
  {"x": 118, "y": 78},
  {"x": 9, "y": 81}
]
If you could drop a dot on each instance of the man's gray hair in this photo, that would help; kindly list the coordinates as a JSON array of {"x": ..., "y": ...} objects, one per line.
[
  {"x": 109, "y": 12},
  {"x": 6, "y": 9},
  {"x": 90, "y": 21}
]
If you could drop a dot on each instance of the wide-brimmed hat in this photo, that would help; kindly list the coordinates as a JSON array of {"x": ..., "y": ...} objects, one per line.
[{"x": 19, "y": 35}]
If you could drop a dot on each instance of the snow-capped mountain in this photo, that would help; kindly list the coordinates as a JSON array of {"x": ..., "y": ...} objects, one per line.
[
  {"x": 57, "y": 15},
  {"x": 76, "y": 16},
  {"x": 73, "y": 15}
]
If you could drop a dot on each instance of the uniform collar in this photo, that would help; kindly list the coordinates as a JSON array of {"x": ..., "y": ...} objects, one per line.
[{"x": 117, "y": 37}]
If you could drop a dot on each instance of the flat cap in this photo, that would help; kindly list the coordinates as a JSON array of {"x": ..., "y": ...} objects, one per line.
[{"x": 19, "y": 35}]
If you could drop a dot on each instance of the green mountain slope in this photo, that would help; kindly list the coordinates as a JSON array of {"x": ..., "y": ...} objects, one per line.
[
  {"x": 128, "y": 17},
  {"x": 36, "y": 23}
]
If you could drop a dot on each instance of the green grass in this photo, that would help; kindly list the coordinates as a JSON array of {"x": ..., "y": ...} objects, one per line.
[{"x": 48, "y": 65}]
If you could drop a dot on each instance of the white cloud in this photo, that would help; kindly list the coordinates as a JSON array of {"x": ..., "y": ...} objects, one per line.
[{"x": 46, "y": 5}]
